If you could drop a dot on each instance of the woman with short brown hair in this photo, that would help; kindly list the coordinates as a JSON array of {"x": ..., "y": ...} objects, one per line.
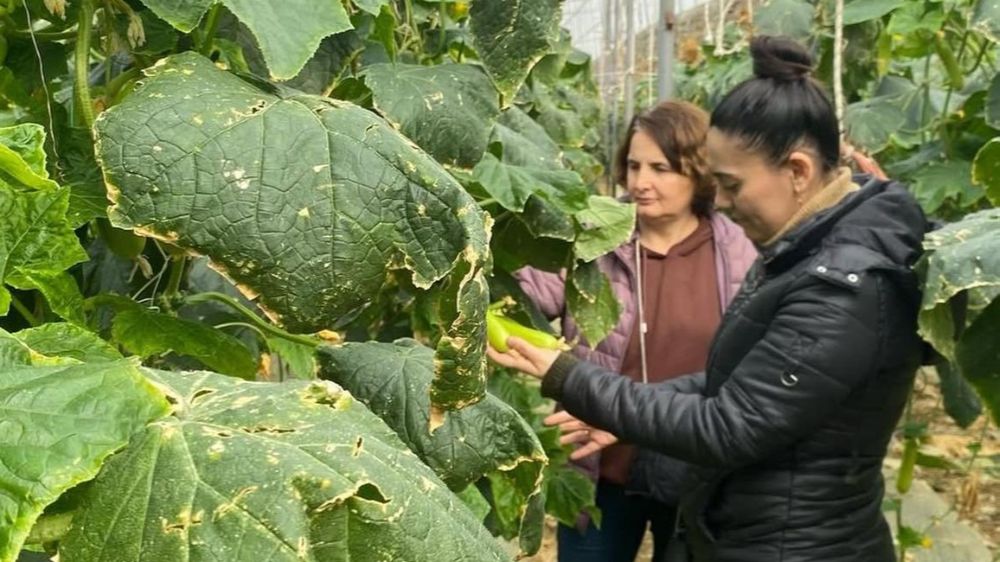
[{"x": 674, "y": 278}]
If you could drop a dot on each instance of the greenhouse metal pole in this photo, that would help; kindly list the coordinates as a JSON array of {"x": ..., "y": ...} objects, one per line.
[
  {"x": 629, "y": 58},
  {"x": 665, "y": 50}
]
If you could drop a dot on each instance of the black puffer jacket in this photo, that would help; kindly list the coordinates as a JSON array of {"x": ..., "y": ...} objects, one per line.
[{"x": 806, "y": 380}]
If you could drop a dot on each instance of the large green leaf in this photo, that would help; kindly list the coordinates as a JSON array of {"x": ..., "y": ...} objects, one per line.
[
  {"x": 986, "y": 169},
  {"x": 569, "y": 117},
  {"x": 280, "y": 472},
  {"x": 511, "y": 36},
  {"x": 66, "y": 340},
  {"x": 182, "y": 14},
  {"x": 524, "y": 141},
  {"x": 35, "y": 238},
  {"x": 303, "y": 200},
  {"x": 512, "y": 185},
  {"x": 298, "y": 358},
  {"x": 542, "y": 243},
  {"x": 568, "y": 492},
  {"x": 940, "y": 182},
  {"x": 986, "y": 18},
  {"x": 288, "y": 32},
  {"x": 371, "y": 6},
  {"x": 447, "y": 109},
  {"x": 859, "y": 11},
  {"x": 393, "y": 381},
  {"x": 61, "y": 422},
  {"x": 871, "y": 123},
  {"x": 962, "y": 255},
  {"x": 592, "y": 302},
  {"x": 605, "y": 225},
  {"x": 791, "y": 18},
  {"x": 37, "y": 242},
  {"x": 148, "y": 333},
  {"x": 22, "y": 153},
  {"x": 318, "y": 74},
  {"x": 978, "y": 356}
]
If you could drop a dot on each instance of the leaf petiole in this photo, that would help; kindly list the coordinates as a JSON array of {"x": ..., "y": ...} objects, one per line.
[{"x": 252, "y": 317}]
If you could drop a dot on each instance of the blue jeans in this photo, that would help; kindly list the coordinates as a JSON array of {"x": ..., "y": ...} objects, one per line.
[{"x": 624, "y": 518}]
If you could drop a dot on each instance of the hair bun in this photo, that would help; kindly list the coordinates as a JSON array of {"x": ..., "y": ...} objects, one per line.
[{"x": 780, "y": 58}]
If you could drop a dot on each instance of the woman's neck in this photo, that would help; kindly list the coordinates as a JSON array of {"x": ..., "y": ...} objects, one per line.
[{"x": 660, "y": 235}]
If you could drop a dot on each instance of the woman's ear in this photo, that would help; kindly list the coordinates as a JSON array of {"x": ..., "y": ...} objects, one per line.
[{"x": 803, "y": 169}]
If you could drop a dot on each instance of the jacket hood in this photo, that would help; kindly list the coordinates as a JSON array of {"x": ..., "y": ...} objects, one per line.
[{"x": 882, "y": 216}]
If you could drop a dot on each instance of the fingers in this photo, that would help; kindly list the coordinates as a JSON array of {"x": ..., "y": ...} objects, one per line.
[
  {"x": 580, "y": 436},
  {"x": 497, "y": 357},
  {"x": 558, "y": 418},
  {"x": 585, "y": 451},
  {"x": 511, "y": 359},
  {"x": 527, "y": 350}
]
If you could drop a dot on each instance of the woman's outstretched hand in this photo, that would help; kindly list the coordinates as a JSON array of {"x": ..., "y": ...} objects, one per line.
[
  {"x": 590, "y": 439},
  {"x": 524, "y": 357}
]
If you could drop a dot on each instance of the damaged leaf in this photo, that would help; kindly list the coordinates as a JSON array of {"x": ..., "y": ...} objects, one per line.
[
  {"x": 280, "y": 472},
  {"x": 59, "y": 424},
  {"x": 304, "y": 200}
]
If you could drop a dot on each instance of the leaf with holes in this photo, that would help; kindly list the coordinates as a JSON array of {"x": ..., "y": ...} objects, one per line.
[
  {"x": 447, "y": 109},
  {"x": 282, "y": 472},
  {"x": 60, "y": 423},
  {"x": 304, "y": 201},
  {"x": 962, "y": 256},
  {"x": 511, "y": 36},
  {"x": 393, "y": 379}
]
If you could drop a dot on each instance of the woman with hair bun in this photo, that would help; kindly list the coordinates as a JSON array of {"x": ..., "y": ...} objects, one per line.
[
  {"x": 812, "y": 364},
  {"x": 673, "y": 277}
]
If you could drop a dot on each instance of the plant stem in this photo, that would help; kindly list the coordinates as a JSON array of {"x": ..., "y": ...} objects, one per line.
[
  {"x": 979, "y": 58},
  {"x": 211, "y": 26},
  {"x": 979, "y": 440},
  {"x": 442, "y": 17},
  {"x": 951, "y": 87},
  {"x": 23, "y": 310},
  {"x": 241, "y": 325},
  {"x": 927, "y": 99},
  {"x": 899, "y": 530},
  {"x": 82, "y": 62},
  {"x": 44, "y": 35},
  {"x": 252, "y": 317},
  {"x": 177, "y": 266},
  {"x": 116, "y": 83}
]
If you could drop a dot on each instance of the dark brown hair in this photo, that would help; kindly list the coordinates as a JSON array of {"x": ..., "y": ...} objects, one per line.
[
  {"x": 679, "y": 129},
  {"x": 782, "y": 107}
]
